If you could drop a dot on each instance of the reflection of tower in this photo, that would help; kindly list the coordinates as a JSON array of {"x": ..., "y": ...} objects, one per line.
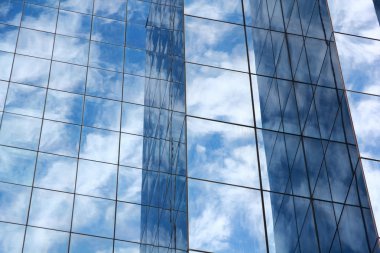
[
  {"x": 163, "y": 215},
  {"x": 377, "y": 8},
  {"x": 313, "y": 167}
]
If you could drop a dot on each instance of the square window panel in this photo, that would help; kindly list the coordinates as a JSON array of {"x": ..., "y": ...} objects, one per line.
[
  {"x": 102, "y": 113},
  {"x": 55, "y": 172},
  {"x": 60, "y": 138},
  {"x": 35, "y": 43},
  {"x": 135, "y": 61},
  {"x": 3, "y": 94},
  {"x": 71, "y": 50},
  {"x": 11, "y": 236},
  {"x": 43, "y": 240},
  {"x": 8, "y": 38},
  {"x": 14, "y": 202},
  {"x": 83, "y": 6},
  {"x": 237, "y": 210},
  {"x": 136, "y": 36},
  {"x": 25, "y": 100},
  {"x": 94, "y": 216},
  {"x": 68, "y": 77},
  {"x": 99, "y": 145},
  {"x": 108, "y": 30},
  {"x": 222, "y": 152},
  {"x": 6, "y": 60},
  {"x": 105, "y": 84},
  {"x": 51, "y": 209},
  {"x": 64, "y": 106},
  {"x": 130, "y": 184},
  {"x": 128, "y": 221},
  {"x": 121, "y": 247},
  {"x": 51, "y": 3},
  {"x": 215, "y": 43},
  {"x": 219, "y": 94},
  {"x": 30, "y": 70},
  {"x": 74, "y": 24},
  {"x": 133, "y": 119},
  {"x": 11, "y": 12},
  {"x": 131, "y": 150},
  {"x": 111, "y": 9},
  {"x": 20, "y": 131},
  {"x": 39, "y": 18},
  {"x": 138, "y": 11},
  {"x": 17, "y": 165},
  {"x": 106, "y": 56},
  {"x": 97, "y": 179},
  {"x": 134, "y": 89},
  {"x": 90, "y": 244}
]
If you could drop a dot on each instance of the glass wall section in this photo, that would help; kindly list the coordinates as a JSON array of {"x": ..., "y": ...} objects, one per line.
[
  {"x": 357, "y": 31},
  {"x": 92, "y": 130},
  {"x": 268, "y": 121}
]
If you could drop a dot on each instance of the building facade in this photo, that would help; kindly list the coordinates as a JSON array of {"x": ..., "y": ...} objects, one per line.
[{"x": 189, "y": 126}]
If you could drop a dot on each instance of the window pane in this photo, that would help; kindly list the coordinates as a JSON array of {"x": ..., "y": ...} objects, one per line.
[
  {"x": 107, "y": 30},
  {"x": 51, "y": 3},
  {"x": 74, "y": 24},
  {"x": 111, "y": 9},
  {"x": 9, "y": 37},
  {"x": 39, "y": 18},
  {"x": 122, "y": 247},
  {"x": 88, "y": 244},
  {"x": 31, "y": 70},
  {"x": 6, "y": 60},
  {"x": 84, "y": 6},
  {"x": 97, "y": 179},
  {"x": 55, "y": 172},
  {"x": 131, "y": 149},
  {"x": 136, "y": 36},
  {"x": 26, "y": 100},
  {"x": 11, "y": 13},
  {"x": 133, "y": 119},
  {"x": 94, "y": 216},
  {"x": 102, "y": 113},
  {"x": 11, "y": 237},
  {"x": 3, "y": 93},
  {"x": 106, "y": 56},
  {"x": 105, "y": 84},
  {"x": 43, "y": 240},
  {"x": 35, "y": 43},
  {"x": 14, "y": 202},
  {"x": 128, "y": 222},
  {"x": 71, "y": 50},
  {"x": 138, "y": 11},
  {"x": 134, "y": 87},
  {"x": 134, "y": 62},
  {"x": 130, "y": 184},
  {"x": 67, "y": 77}
]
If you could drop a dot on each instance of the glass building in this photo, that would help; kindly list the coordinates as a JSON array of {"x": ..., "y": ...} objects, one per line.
[{"x": 198, "y": 126}]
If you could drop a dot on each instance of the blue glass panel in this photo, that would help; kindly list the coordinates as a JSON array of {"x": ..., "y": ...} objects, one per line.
[
  {"x": 35, "y": 43},
  {"x": 99, "y": 221},
  {"x": 106, "y": 56},
  {"x": 52, "y": 3},
  {"x": 3, "y": 94},
  {"x": 134, "y": 62},
  {"x": 128, "y": 222},
  {"x": 67, "y": 77},
  {"x": 11, "y": 237},
  {"x": 133, "y": 119},
  {"x": 74, "y": 24},
  {"x": 87, "y": 244},
  {"x": 6, "y": 60},
  {"x": 39, "y": 18},
  {"x": 71, "y": 50},
  {"x": 134, "y": 89},
  {"x": 55, "y": 172},
  {"x": 131, "y": 150},
  {"x": 111, "y": 9},
  {"x": 17, "y": 166},
  {"x": 30, "y": 70},
  {"x": 11, "y": 12},
  {"x": 130, "y": 184},
  {"x": 8, "y": 38},
  {"x": 121, "y": 247},
  {"x": 107, "y": 30},
  {"x": 14, "y": 202},
  {"x": 105, "y": 84},
  {"x": 51, "y": 209},
  {"x": 136, "y": 36},
  {"x": 138, "y": 11},
  {"x": 102, "y": 113},
  {"x": 43, "y": 240},
  {"x": 84, "y": 6}
]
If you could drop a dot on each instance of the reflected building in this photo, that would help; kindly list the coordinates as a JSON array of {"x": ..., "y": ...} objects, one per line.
[{"x": 189, "y": 126}]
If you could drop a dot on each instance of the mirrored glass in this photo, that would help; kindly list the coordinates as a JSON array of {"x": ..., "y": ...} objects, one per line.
[
  {"x": 138, "y": 11},
  {"x": 111, "y": 9},
  {"x": 64, "y": 106},
  {"x": 359, "y": 59},
  {"x": 44, "y": 241},
  {"x": 102, "y": 113},
  {"x": 122, "y": 247},
  {"x": 39, "y": 18},
  {"x": 84, "y": 6},
  {"x": 6, "y": 60},
  {"x": 105, "y": 84},
  {"x": 134, "y": 89},
  {"x": 94, "y": 216},
  {"x": 74, "y": 24},
  {"x": 26, "y": 100},
  {"x": 215, "y": 43},
  {"x": 17, "y": 166},
  {"x": 11, "y": 12},
  {"x": 51, "y": 209},
  {"x": 136, "y": 36},
  {"x": 131, "y": 150},
  {"x": 96, "y": 179},
  {"x": 67, "y": 77},
  {"x": 11, "y": 237},
  {"x": 14, "y": 202},
  {"x": 222, "y": 152},
  {"x": 133, "y": 119},
  {"x": 128, "y": 222},
  {"x": 8, "y": 38},
  {"x": 108, "y": 30},
  {"x": 51, "y": 3},
  {"x": 89, "y": 244},
  {"x": 20, "y": 131},
  {"x": 3, "y": 94},
  {"x": 219, "y": 215},
  {"x": 99, "y": 145},
  {"x": 106, "y": 56},
  {"x": 55, "y": 172},
  {"x": 130, "y": 184},
  {"x": 218, "y": 94},
  {"x": 135, "y": 62},
  {"x": 35, "y": 43},
  {"x": 372, "y": 174},
  {"x": 365, "y": 116},
  {"x": 225, "y": 11},
  {"x": 71, "y": 50},
  {"x": 60, "y": 138},
  {"x": 30, "y": 70}
]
